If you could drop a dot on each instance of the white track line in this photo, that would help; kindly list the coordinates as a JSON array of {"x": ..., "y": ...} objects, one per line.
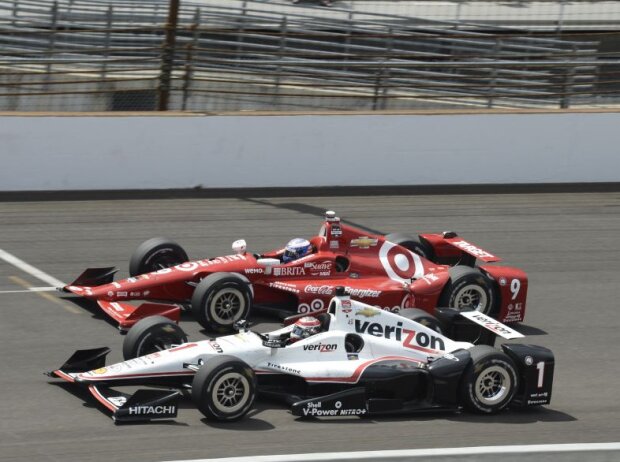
[
  {"x": 31, "y": 270},
  {"x": 31, "y": 289},
  {"x": 420, "y": 453}
]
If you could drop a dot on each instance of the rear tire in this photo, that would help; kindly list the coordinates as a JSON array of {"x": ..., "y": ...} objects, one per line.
[
  {"x": 220, "y": 300},
  {"x": 422, "y": 317},
  {"x": 155, "y": 254},
  {"x": 469, "y": 288},
  {"x": 490, "y": 381},
  {"x": 150, "y": 335},
  {"x": 415, "y": 244},
  {"x": 224, "y": 388}
]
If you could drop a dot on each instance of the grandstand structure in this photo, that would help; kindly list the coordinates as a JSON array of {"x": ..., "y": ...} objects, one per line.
[{"x": 249, "y": 55}]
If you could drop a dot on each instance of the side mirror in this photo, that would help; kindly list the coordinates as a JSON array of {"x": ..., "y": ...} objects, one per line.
[{"x": 239, "y": 247}]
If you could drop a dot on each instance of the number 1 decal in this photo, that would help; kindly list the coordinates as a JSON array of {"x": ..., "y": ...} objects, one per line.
[{"x": 541, "y": 373}]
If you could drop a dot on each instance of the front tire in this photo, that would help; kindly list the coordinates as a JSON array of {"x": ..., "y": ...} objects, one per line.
[
  {"x": 224, "y": 388},
  {"x": 150, "y": 335},
  {"x": 155, "y": 254},
  {"x": 469, "y": 288},
  {"x": 220, "y": 300},
  {"x": 490, "y": 381}
]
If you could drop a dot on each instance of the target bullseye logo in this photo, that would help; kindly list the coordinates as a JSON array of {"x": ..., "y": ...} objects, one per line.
[
  {"x": 399, "y": 263},
  {"x": 188, "y": 266}
]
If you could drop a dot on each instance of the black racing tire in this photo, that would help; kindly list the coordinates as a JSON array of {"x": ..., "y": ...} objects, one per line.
[
  {"x": 224, "y": 388},
  {"x": 415, "y": 244},
  {"x": 155, "y": 254},
  {"x": 422, "y": 317},
  {"x": 489, "y": 382},
  {"x": 220, "y": 300},
  {"x": 150, "y": 335},
  {"x": 469, "y": 288}
]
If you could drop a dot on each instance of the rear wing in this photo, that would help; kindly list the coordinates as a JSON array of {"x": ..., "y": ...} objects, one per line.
[
  {"x": 448, "y": 246},
  {"x": 472, "y": 249},
  {"x": 465, "y": 326}
]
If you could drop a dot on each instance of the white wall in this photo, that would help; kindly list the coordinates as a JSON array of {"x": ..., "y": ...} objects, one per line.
[{"x": 152, "y": 152}]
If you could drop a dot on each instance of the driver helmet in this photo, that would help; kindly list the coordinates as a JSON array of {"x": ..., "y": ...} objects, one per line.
[
  {"x": 305, "y": 327},
  {"x": 296, "y": 248}
]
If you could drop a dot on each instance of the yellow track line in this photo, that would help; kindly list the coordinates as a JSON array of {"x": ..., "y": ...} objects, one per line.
[{"x": 46, "y": 295}]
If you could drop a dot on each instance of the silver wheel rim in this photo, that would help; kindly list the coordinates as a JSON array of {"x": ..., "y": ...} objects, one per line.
[
  {"x": 492, "y": 385},
  {"x": 227, "y": 306},
  {"x": 230, "y": 392},
  {"x": 472, "y": 295}
]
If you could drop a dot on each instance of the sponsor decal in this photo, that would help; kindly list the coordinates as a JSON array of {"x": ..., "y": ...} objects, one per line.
[
  {"x": 472, "y": 249},
  {"x": 187, "y": 266},
  {"x": 151, "y": 410},
  {"x": 328, "y": 290},
  {"x": 284, "y": 286},
  {"x": 451, "y": 357},
  {"x": 318, "y": 290},
  {"x": 336, "y": 230},
  {"x": 163, "y": 271},
  {"x": 117, "y": 307},
  {"x": 529, "y": 360},
  {"x": 408, "y": 337},
  {"x": 346, "y": 306},
  {"x": 117, "y": 401},
  {"x": 116, "y": 284},
  {"x": 324, "y": 266},
  {"x": 400, "y": 264},
  {"x": 153, "y": 355},
  {"x": 254, "y": 271},
  {"x": 316, "y": 410},
  {"x": 291, "y": 271},
  {"x": 121, "y": 294},
  {"x": 364, "y": 242},
  {"x": 321, "y": 347},
  {"x": 101, "y": 370},
  {"x": 491, "y": 324},
  {"x": 362, "y": 293},
  {"x": 135, "y": 294},
  {"x": 502, "y": 281},
  {"x": 216, "y": 346},
  {"x": 368, "y": 312},
  {"x": 315, "y": 305},
  {"x": 430, "y": 278},
  {"x": 131, "y": 280},
  {"x": 76, "y": 288},
  {"x": 110, "y": 293},
  {"x": 283, "y": 368},
  {"x": 334, "y": 244}
]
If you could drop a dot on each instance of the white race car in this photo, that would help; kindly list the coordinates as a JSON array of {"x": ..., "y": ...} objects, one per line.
[{"x": 363, "y": 361}]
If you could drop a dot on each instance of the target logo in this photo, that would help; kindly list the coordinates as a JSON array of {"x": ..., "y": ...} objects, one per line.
[
  {"x": 188, "y": 266},
  {"x": 315, "y": 305},
  {"x": 399, "y": 263}
]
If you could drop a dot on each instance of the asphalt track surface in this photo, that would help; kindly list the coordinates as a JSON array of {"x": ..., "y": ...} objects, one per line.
[{"x": 568, "y": 244}]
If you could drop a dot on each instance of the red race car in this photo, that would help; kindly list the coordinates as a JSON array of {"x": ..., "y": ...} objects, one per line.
[{"x": 391, "y": 272}]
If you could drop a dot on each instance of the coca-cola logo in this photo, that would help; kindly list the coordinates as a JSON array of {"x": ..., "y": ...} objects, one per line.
[{"x": 319, "y": 290}]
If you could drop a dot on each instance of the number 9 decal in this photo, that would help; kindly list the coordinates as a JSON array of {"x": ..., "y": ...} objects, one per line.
[{"x": 515, "y": 287}]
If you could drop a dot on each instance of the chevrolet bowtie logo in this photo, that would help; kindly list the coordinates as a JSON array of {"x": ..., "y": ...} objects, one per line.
[
  {"x": 363, "y": 242},
  {"x": 368, "y": 312}
]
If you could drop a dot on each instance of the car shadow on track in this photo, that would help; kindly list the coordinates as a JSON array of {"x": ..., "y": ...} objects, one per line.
[
  {"x": 248, "y": 423},
  {"x": 515, "y": 416}
]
